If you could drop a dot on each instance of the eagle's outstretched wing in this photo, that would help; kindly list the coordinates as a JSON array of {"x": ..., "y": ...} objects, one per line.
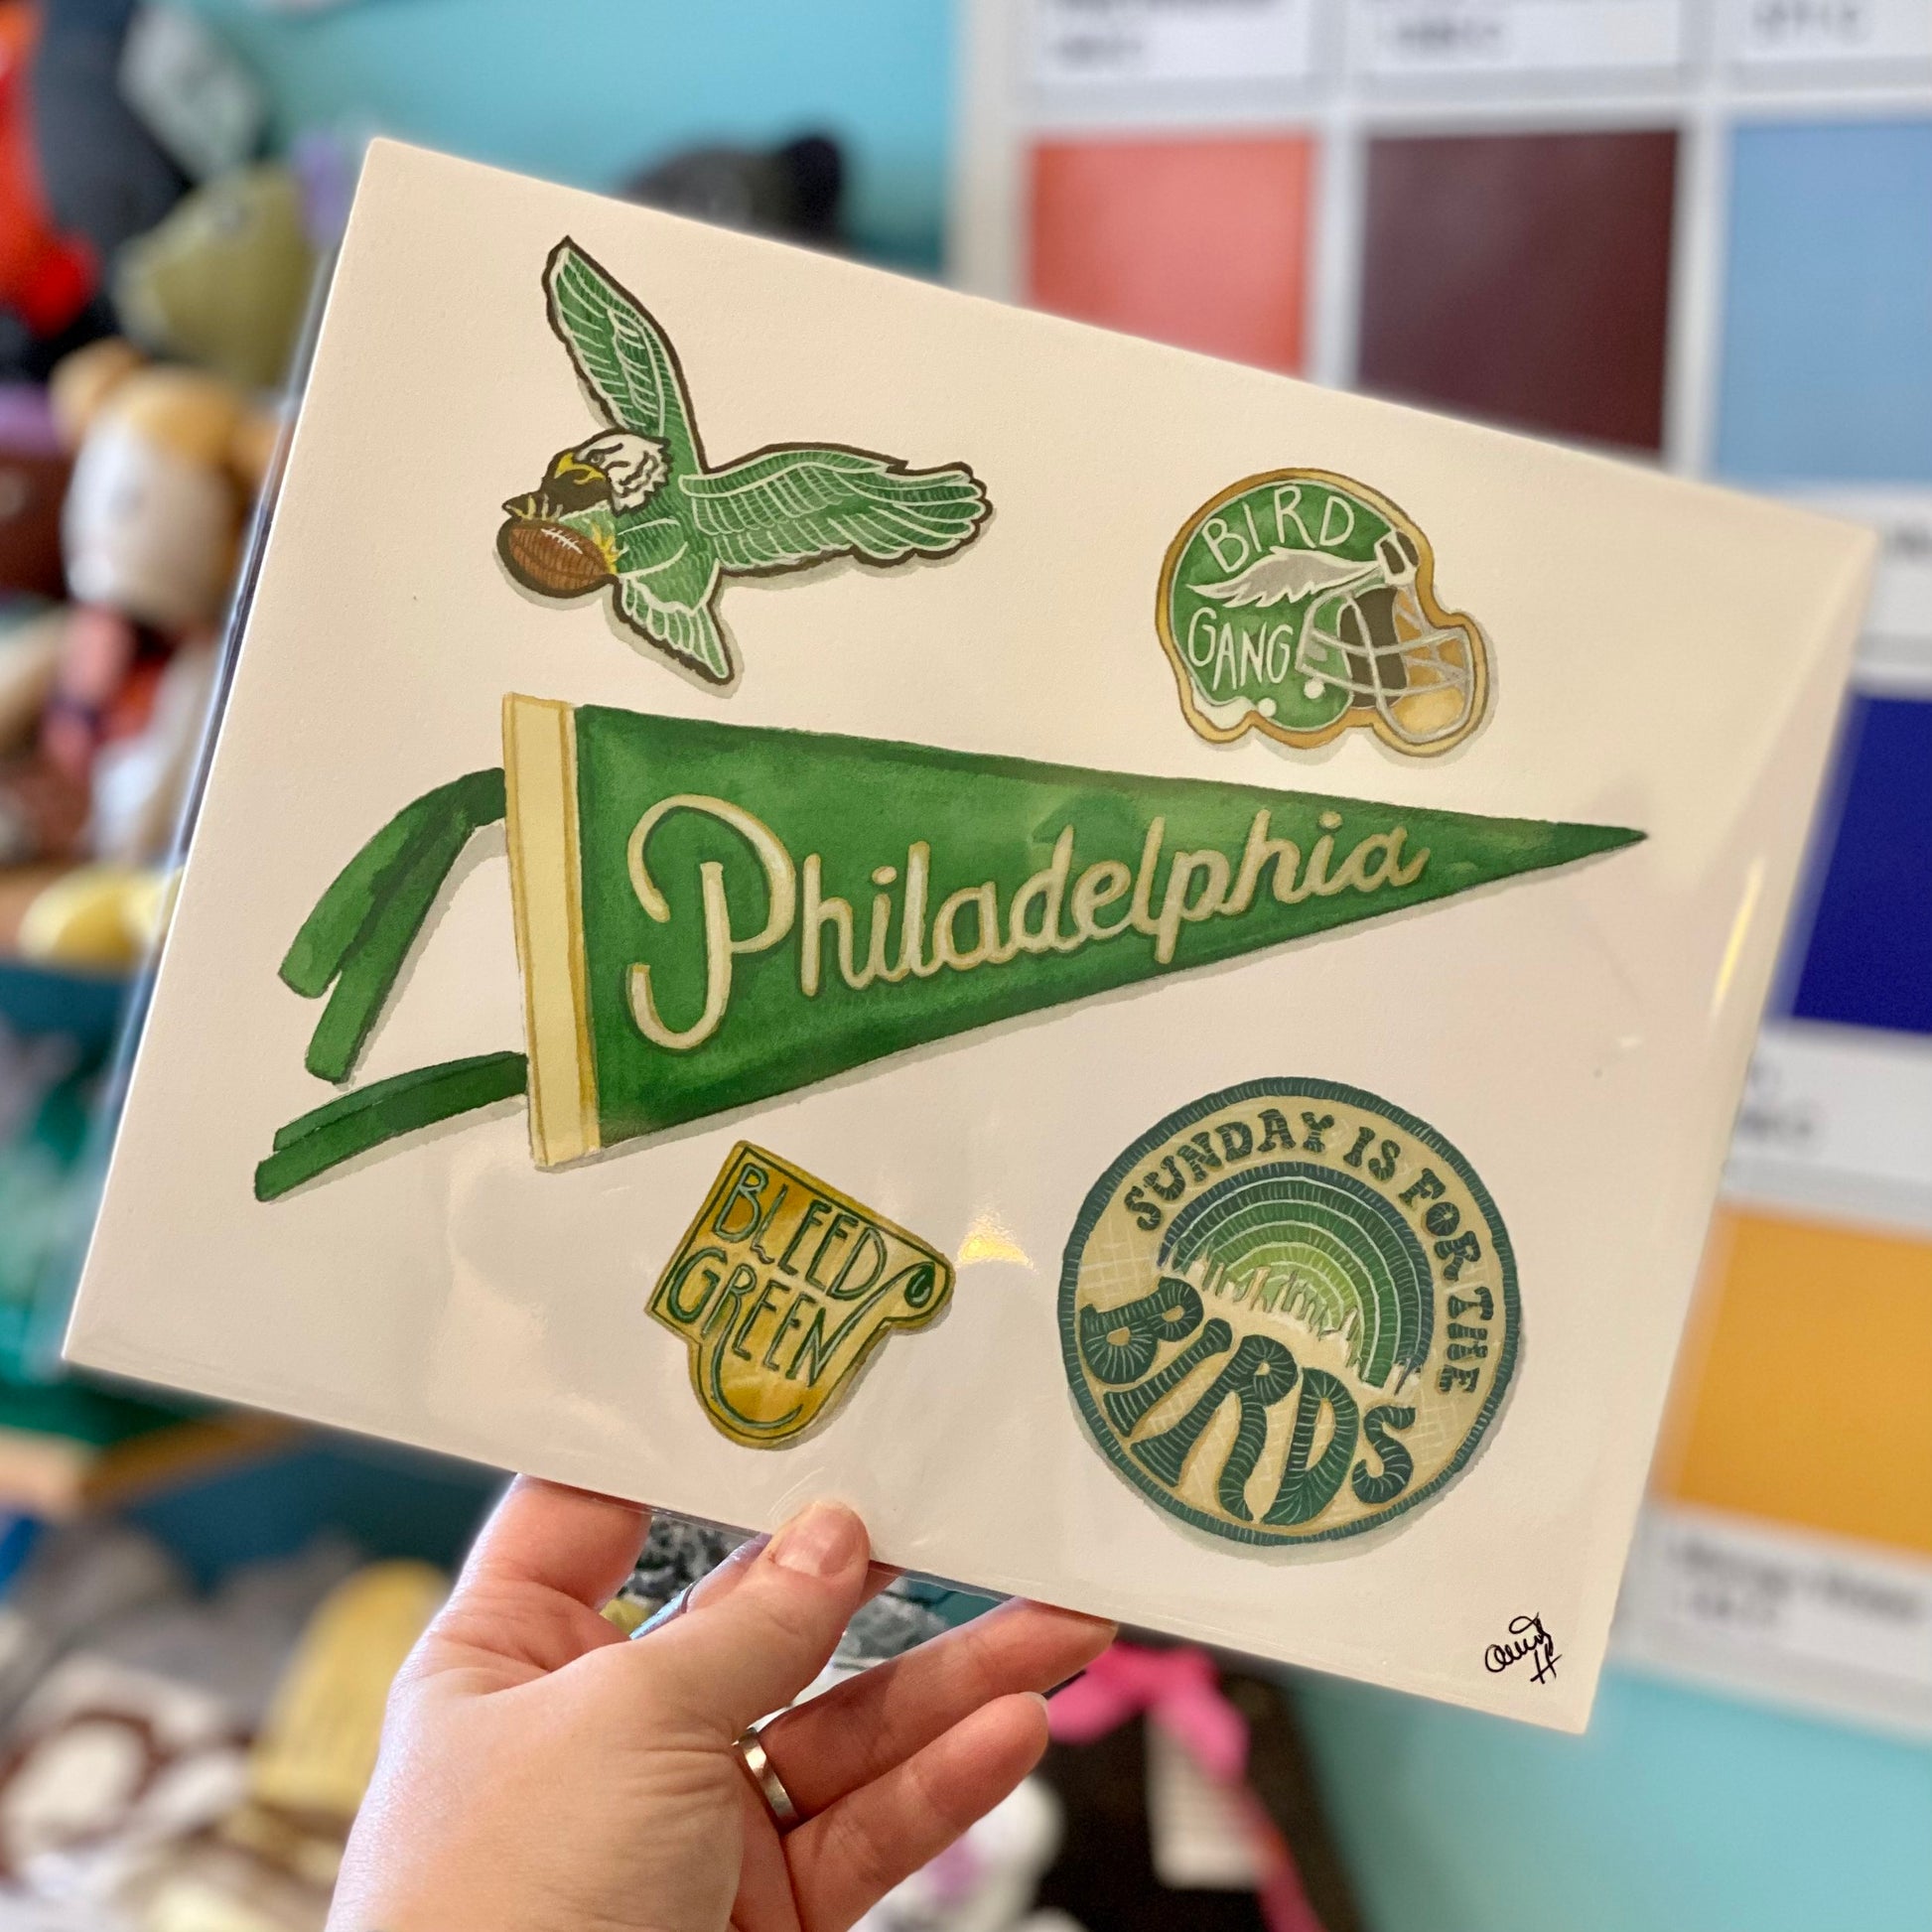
[
  {"x": 794, "y": 504},
  {"x": 690, "y": 632},
  {"x": 625, "y": 359},
  {"x": 1284, "y": 574}
]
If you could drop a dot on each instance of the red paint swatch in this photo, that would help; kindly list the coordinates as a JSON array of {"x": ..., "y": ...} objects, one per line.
[
  {"x": 1524, "y": 278},
  {"x": 1201, "y": 244}
]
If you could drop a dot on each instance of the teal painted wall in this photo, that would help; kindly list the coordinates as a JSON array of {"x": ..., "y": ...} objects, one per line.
[
  {"x": 1674, "y": 1813},
  {"x": 587, "y": 93}
]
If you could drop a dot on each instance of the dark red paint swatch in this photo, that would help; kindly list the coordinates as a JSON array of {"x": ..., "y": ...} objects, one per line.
[{"x": 1522, "y": 278}]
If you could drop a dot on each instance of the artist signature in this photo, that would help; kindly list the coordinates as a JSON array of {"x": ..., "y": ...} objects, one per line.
[{"x": 1528, "y": 1638}]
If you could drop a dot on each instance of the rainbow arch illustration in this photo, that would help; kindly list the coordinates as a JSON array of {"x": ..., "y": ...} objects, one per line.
[{"x": 1321, "y": 1246}]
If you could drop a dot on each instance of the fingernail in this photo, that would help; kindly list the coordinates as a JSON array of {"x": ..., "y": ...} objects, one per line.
[
  {"x": 672, "y": 1606},
  {"x": 822, "y": 1541},
  {"x": 724, "y": 1577},
  {"x": 716, "y": 1582}
]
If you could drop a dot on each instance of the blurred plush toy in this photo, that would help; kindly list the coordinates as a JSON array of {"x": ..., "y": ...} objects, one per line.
[
  {"x": 269, "y": 1863},
  {"x": 792, "y": 192},
  {"x": 222, "y": 282},
  {"x": 166, "y": 461},
  {"x": 98, "y": 919},
  {"x": 49, "y": 278},
  {"x": 105, "y": 176}
]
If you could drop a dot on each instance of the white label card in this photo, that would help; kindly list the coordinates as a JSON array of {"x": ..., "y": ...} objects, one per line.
[
  {"x": 1082, "y": 43},
  {"x": 1819, "y": 1620},
  {"x": 1199, "y": 1840},
  {"x": 1790, "y": 33},
  {"x": 1391, "y": 38},
  {"x": 1836, "y": 1119}
]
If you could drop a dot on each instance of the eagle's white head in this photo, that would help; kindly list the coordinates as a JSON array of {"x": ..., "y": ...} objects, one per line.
[{"x": 633, "y": 466}]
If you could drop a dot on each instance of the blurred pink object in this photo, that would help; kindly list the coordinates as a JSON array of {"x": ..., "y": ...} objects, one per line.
[{"x": 1180, "y": 1691}]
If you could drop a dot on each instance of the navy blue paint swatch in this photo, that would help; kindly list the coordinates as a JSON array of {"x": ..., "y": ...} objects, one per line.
[{"x": 1868, "y": 958}]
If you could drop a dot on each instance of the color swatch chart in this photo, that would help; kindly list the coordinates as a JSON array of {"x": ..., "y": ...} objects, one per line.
[{"x": 1693, "y": 232}]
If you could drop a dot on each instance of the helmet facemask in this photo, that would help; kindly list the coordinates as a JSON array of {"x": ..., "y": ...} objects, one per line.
[{"x": 1375, "y": 639}]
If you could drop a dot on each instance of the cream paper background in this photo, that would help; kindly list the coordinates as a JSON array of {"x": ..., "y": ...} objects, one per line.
[{"x": 1664, "y": 656}]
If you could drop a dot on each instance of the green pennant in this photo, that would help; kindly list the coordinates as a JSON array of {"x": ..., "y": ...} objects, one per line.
[{"x": 710, "y": 915}]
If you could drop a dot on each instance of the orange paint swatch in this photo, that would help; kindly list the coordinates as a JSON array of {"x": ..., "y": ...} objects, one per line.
[
  {"x": 1801, "y": 1397},
  {"x": 1201, "y": 243}
]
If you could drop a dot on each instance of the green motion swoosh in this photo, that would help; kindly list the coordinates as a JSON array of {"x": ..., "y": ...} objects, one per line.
[{"x": 710, "y": 915}]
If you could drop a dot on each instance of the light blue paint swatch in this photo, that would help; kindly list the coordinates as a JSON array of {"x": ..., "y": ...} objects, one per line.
[{"x": 1827, "y": 362}]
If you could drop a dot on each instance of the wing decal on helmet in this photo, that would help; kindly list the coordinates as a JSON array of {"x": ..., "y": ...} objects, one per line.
[{"x": 1286, "y": 575}]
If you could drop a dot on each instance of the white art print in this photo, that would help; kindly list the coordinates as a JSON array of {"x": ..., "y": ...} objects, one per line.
[{"x": 813, "y": 885}]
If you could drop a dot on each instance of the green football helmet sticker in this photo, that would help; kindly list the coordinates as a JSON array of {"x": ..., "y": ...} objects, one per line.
[{"x": 1300, "y": 604}]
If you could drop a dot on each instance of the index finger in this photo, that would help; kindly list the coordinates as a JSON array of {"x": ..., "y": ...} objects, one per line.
[
  {"x": 862, "y": 1727},
  {"x": 546, "y": 1536}
]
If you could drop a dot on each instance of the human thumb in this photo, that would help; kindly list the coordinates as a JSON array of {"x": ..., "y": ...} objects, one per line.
[{"x": 747, "y": 1649}]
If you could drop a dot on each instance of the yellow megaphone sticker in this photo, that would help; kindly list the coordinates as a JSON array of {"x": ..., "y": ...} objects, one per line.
[{"x": 782, "y": 1287}]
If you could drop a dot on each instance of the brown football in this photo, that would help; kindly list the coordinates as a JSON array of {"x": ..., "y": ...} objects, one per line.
[{"x": 550, "y": 558}]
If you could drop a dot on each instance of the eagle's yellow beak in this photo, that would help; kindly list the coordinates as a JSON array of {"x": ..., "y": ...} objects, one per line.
[
  {"x": 575, "y": 484},
  {"x": 571, "y": 469}
]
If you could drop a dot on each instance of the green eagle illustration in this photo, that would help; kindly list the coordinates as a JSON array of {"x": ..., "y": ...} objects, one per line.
[{"x": 638, "y": 508}]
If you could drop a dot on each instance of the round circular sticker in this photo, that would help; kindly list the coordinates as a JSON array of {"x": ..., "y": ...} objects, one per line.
[
  {"x": 1300, "y": 603},
  {"x": 1288, "y": 1312}
]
